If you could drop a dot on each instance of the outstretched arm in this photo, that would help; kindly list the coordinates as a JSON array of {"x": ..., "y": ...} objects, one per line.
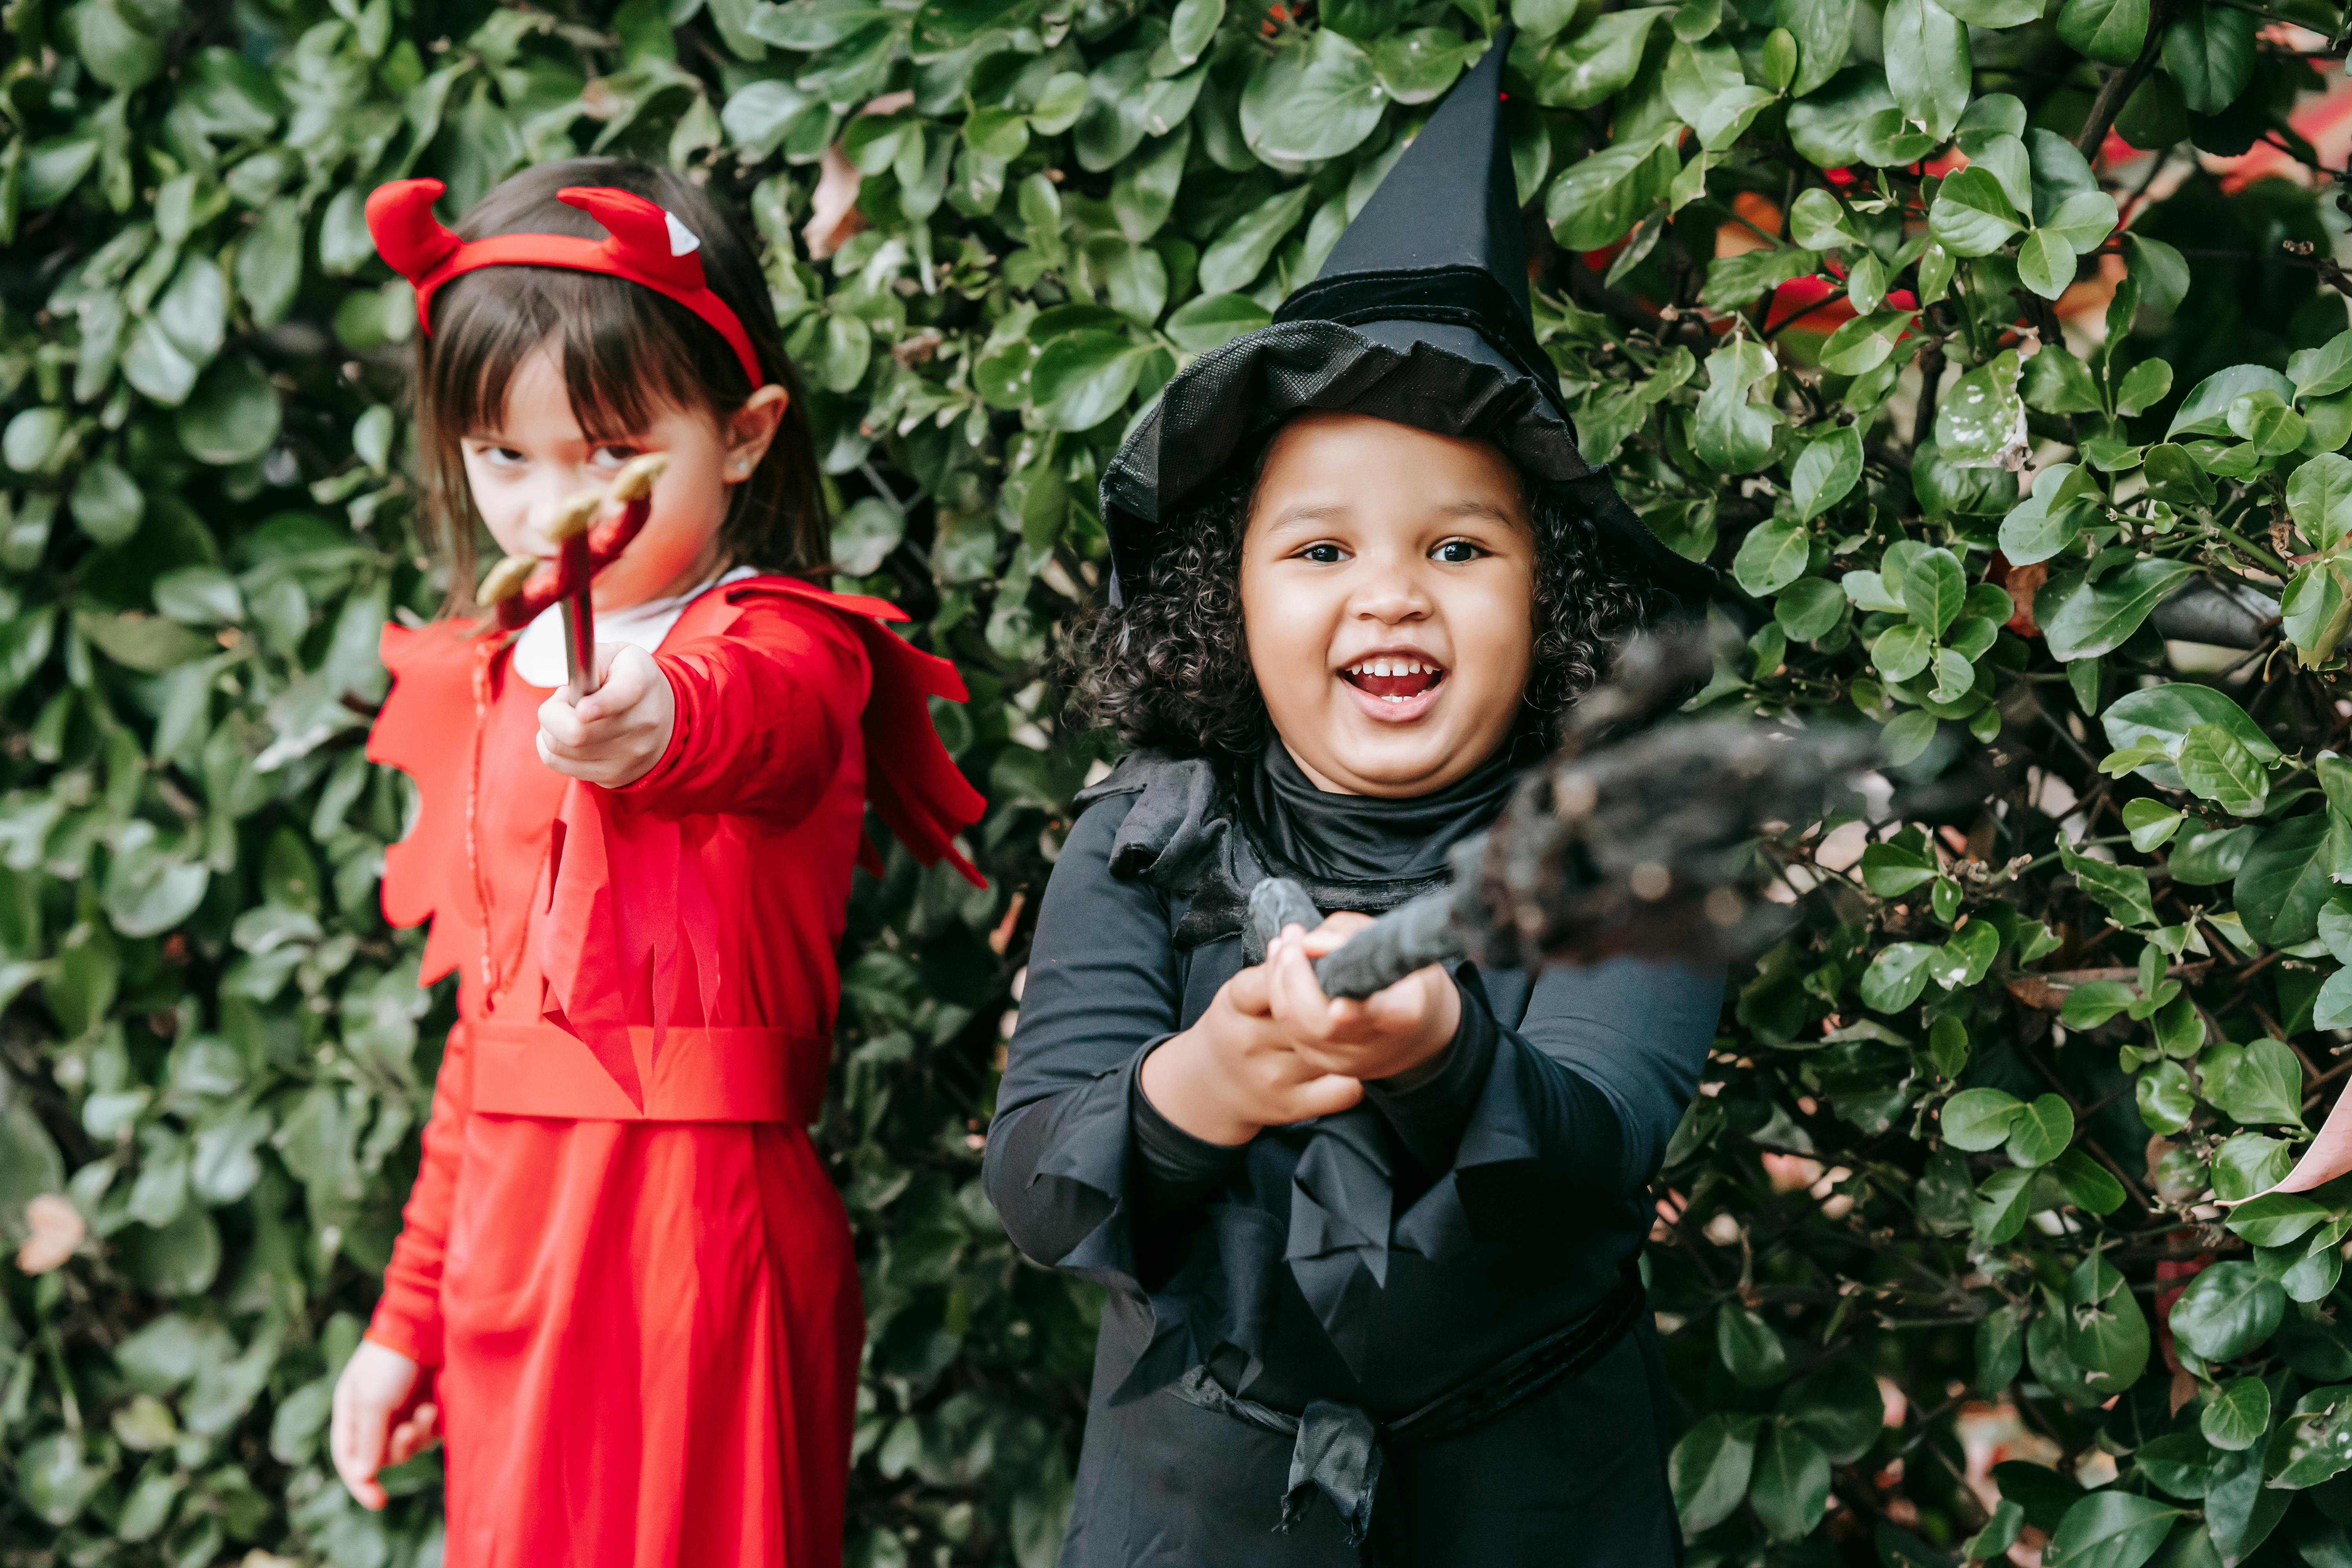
[{"x": 753, "y": 720}]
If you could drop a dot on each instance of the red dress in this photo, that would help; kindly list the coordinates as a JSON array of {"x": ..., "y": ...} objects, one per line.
[{"x": 622, "y": 1257}]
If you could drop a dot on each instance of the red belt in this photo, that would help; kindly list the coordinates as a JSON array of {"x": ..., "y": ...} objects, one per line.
[{"x": 701, "y": 1075}]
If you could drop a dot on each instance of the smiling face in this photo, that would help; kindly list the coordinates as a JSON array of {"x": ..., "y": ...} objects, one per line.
[
  {"x": 1388, "y": 590},
  {"x": 538, "y": 457}
]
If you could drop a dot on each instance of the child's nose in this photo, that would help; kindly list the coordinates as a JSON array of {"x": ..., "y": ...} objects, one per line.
[{"x": 1392, "y": 592}]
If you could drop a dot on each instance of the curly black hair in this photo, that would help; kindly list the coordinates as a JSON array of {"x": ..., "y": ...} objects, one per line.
[{"x": 1171, "y": 667}]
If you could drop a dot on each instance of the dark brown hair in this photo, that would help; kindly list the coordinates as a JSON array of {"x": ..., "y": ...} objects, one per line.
[
  {"x": 1172, "y": 668},
  {"x": 627, "y": 352}
]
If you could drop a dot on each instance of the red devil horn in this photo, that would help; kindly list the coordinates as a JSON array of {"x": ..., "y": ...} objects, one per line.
[
  {"x": 643, "y": 235},
  {"x": 407, "y": 235}
]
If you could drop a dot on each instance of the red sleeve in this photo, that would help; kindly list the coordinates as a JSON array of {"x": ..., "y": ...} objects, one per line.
[
  {"x": 408, "y": 1315},
  {"x": 763, "y": 713}
]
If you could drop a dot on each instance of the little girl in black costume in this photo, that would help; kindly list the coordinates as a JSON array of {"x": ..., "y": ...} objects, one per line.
[{"x": 1372, "y": 1267}]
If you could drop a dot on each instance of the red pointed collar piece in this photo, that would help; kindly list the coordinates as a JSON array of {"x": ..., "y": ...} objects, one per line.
[{"x": 642, "y": 243}]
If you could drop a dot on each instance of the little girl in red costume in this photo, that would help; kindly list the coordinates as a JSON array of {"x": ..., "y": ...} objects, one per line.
[{"x": 625, "y": 1292}]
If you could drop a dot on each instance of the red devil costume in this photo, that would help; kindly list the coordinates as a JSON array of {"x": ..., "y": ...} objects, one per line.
[{"x": 622, "y": 1257}]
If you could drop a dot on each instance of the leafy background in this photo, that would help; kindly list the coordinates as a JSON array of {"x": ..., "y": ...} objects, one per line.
[{"x": 1839, "y": 285}]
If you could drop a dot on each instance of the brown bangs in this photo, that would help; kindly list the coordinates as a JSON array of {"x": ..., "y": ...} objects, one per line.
[{"x": 627, "y": 354}]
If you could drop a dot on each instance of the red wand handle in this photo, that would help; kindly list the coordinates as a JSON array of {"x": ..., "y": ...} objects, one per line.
[{"x": 519, "y": 587}]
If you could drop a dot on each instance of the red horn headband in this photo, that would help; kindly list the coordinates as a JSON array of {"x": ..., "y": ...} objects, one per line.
[{"x": 645, "y": 244}]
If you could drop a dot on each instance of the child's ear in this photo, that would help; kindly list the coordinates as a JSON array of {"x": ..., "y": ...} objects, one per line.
[{"x": 752, "y": 428}]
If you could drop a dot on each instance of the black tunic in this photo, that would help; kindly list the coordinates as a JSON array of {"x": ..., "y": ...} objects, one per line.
[{"x": 1378, "y": 1260}]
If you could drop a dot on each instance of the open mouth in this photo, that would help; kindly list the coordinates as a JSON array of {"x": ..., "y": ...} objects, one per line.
[{"x": 1393, "y": 679}]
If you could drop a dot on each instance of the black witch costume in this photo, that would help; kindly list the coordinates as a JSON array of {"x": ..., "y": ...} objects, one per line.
[{"x": 1414, "y": 1332}]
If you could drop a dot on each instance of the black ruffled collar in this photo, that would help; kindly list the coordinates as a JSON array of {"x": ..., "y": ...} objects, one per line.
[{"x": 1207, "y": 831}]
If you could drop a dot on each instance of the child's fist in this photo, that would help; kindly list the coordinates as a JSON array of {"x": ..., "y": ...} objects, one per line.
[
  {"x": 378, "y": 1419},
  {"x": 1236, "y": 1072},
  {"x": 617, "y": 733},
  {"x": 1391, "y": 1034}
]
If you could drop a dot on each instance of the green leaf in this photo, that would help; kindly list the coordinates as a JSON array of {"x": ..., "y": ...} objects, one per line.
[
  {"x": 2322, "y": 372},
  {"x": 2106, "y": 1332},
  {"x": 1206, "y": 320},
  {"x": 1789, "y": 1488},
  {"x": 1595, "y": 202},
  {"x": 2108, "y": 30},
  {"x": 1980, "y": 423},
  {"x": 1839, "y": 1407},
  {"x": 1980, "y": 1118},
  {"x": 2236, "y": 1413},
  {"x": 1902, "y": 651},
  {"x": 2256, "y": 1083},
  {"x": 1927, "y": 64},
  {"x": 2000, "y": 1207},
  {"x": 1315, "y": 100},
  {"x": 1751, "y": 1352},
  {"x": 234, "y": 416},
  {"x": 1771, "y": 558},
  {"x": 2100, "y": 618},
  {"x": 1827, "y": 127},
  {"x": 1708, "y": 1471},
  {"x": 2316, "y": 611},
  {"x": 2179, "y": 1463},
  {"x": 2056, "y": 382},
  {"x": 1823, "y": 32},
  {"x": 1933, "y": 588},
  {"x": 1417, "y": 65},
  {"x": 1826, "y": 472},
  {"x": 2046, "y": 263},
  {"x": 1240, "y": 253},
  {"x": 2210, "y": 51},
  {"x": 1818, "y": 222},
  {"x": 1583, "y": 71},
  {"x": 1809, "y": 607},
  {"x": 2095, "y": 1001},
  {"x": 2206, "y": 410},
  {"x": 2042, "y": 1129},
  {"x": 2319, "y": 498},
  {"x": 1972, "y": 215},
  {"x": 1896, "y": 976},
  {"x": 2228, "y": 1311},
  {"x": 1084, "y": 378},
  {"x": 2283, "y": 881},
  {"x": 2220, "y": 768},
  {"x": 1865, "y": 343},
  {"x": 2315, "y": 1441},
  {"x": 2110, "y": 1529},
  {"x": 2122, "y": 890},
  {"x": 2165, "y": 1096},
  {"x": 2144, "y": 386},
  {"x": 1731, "y": 433}
]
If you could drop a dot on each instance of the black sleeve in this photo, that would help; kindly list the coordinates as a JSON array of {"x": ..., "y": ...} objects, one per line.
[
  {"x": 1586, "y": 1092},
  {"x": 1428, "y": 1114},
  {"x": 1103, "y": 987},
  {"x": 1177, "y": 1169}
]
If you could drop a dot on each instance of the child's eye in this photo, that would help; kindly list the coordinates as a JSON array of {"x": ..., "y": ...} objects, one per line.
[
  {"x": 1323, "y": 554},
  {"x": 612, "y": 453},
  {"x": 1456, "y": 550},
  {"x": 499, "y": 457}
]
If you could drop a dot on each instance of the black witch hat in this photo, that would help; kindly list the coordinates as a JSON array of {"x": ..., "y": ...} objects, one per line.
[{"x": 1420, "y": 315}]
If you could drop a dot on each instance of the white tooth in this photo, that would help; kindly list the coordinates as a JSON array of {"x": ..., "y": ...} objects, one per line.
[
  {"x": 1412, "y": 667},
  {"x": 1392, "y": 667}
]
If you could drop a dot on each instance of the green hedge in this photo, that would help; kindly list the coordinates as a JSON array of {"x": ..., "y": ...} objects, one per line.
[{"x": 1924, "y": 1154}]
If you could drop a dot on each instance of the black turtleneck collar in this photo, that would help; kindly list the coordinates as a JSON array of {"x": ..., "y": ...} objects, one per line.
[{"x": 1364, "y": 839}]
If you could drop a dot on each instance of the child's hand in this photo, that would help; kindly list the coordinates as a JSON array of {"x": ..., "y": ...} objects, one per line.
[
  {"x": 1387, "y": 1034},
  {"x": 378, "y": 1419},
  {"x": 1236, "y": 1072},
  {"x": 617, "y": 733}
]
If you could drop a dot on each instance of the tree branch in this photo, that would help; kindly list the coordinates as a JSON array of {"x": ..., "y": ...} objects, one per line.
[{"x": 2121, "y": 83}]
